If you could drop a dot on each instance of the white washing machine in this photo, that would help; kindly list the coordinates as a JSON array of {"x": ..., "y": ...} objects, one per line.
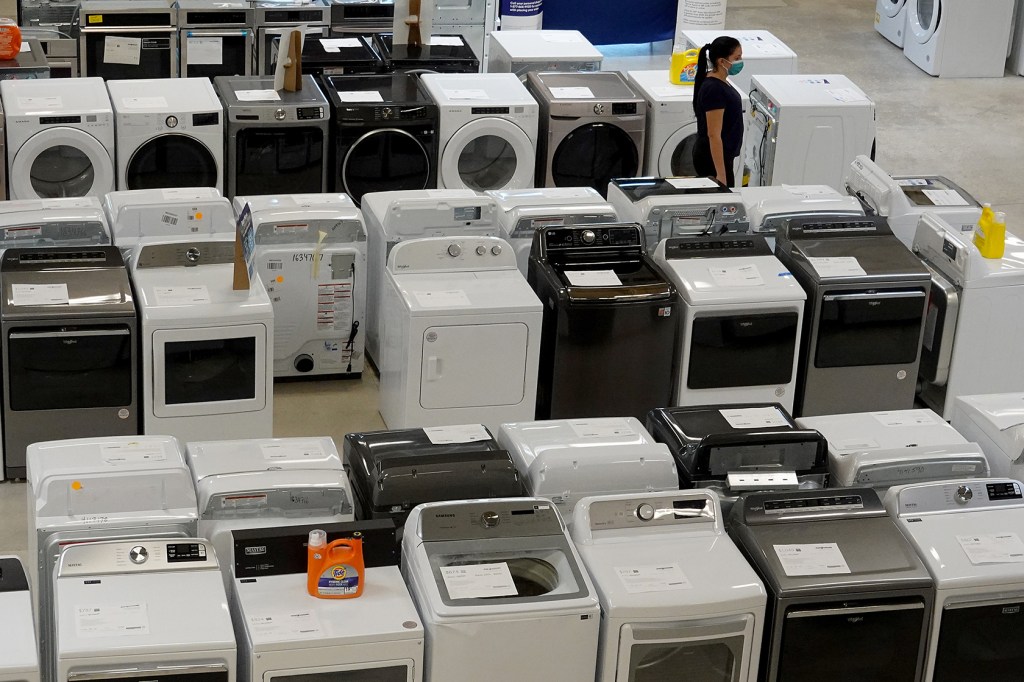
[
  {"x": 891, "y": 20},
  {"x": 884, "y": 449},
  {"x": 524, "y": 211},
  {"x": 996, "y": 423},
  {"x": 460, "y": 335},
  {"x": 393, "y": 217},
  {"x": 769, "y": 208},
  {"x": 967, "y": 532},
  {"x": 170, "y": 133},
  {"x": 311, "y": 255},
  {"x": 959, "y": 38},
  {"x": 207, "y": 349},
  {"x": 903, "y": 199},
  {"x": 71, "y": 221},
  {"x": 806, "y": 129},
  {"x": 502, "y": 592},
  {"x": 60, "y": 138},
  {"x": 142, "y": 609},
  {"x": 565, "y": 460},
  {"x": 678, "y": 599},
  {"x": 672, "y": 124},
  {"x": 19, "y": 655},
  {"x": 521, "y": 52},
  {"x": 487, "y": 137},
  {"x": 763, "y": 53},
  {"x": 741, "y": 323}
]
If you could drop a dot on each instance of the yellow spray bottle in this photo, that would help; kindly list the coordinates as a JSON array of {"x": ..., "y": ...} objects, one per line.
[{"x": 990, "y": 235}]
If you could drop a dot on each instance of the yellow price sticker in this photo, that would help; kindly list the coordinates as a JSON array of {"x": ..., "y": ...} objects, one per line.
[{"x": 95, "y": 18}]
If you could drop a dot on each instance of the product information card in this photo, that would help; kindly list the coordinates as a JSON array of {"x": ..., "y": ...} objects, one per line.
[
  {"x": 479, "y": 581},
  {"x": 994, "y": 548},
  {"x": 812, "y": 559}
]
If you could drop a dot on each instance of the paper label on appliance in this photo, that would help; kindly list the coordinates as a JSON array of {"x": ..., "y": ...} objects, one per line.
[
  {"x": 144, "y": 102},
  {"x": 466, "y": 94},
  {"x": 907, "y": 418},
  {"x": 994, "y": 548},
  {"x": 33, "y": 103},
  {"x": 737, "y": 276},
  {"x": 846, "y": 95},
  {"x": 854, "y": 444},
  {"x": 335, "y": 44},
  {"x": 112, "y": 620},
  {"x": 175, "y": 193},
  {"x": 912, "y": 182},
  {"x": 360, "y": 96},
  {"x": 284, "y": 624},
  {"x": 812, "y": 559},
  {"x": 122, "y": 50},
  {"x": 754, "y": 418},
  {"x": 592, "y": 278},
  {"x": 572, "y": 93},
  {"x": 20, "y": 232},
  {"x": 670, "y": 91},
  {"x": 462, "y": 433},
  {"x": 601, "y": 428},
  {"x": 39, "y": 294},
  {"x": 559, "y": 37},
  {"x": 478, "y": 581},
  {"x": 237, "y": 502},
  {"x": 293, "y": 450},
  {"x": 653, "y": 578},
  {"x": 132, "y": 452},
  {"x": 454, "y": 41},
  {"x": 257, "y": 95},
  {"x": 182, "y": 295},
  {"x": 205, "y": 50},
  {"x": 692, "y": 183},
  {"x": 945, "y": 197},
  {"x": 837, "y": 266},
  {"x": 443, "y": 299}
]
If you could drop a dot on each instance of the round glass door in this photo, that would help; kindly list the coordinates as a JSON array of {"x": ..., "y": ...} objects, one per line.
[
  {"x": 593, "y": 154},
  {"x": 62, "y": 171},
  {"x": 385, "y": 160},
  {"x": 61, "y": 162},
  {"x": 892, "y": 7},
  {"x": 924, "y": 18},
  {"x": 487, "y": 162},
  {"x": 171, "y": 161},
  {"x": 488, "y": 154}
]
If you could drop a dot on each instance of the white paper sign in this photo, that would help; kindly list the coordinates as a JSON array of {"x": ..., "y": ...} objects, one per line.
[
  {"x": 601, "y": 428},
  {"x": 847, "y": 95},
  {"x": 837, "y": 266},
  {"x": 754, "y": 418},
  {"x": 692, "y": 183},
  {"x": 995, "y": 548},
  {"x": 572, "y": 93},
  {"x": 561, "y": 37},
  {"x": 455, "y": 298},
  {"x": 121, "y": 50},
  {"x": 670, "y": 91},
  {"x": 257, "y": 95},
  {"x": 737, "y": 276},
  {"x": 285, "y": 625},
  {"x": 653, "y": 578},
  {"x": 906, "y": 418},
  {"x": 39, "y": 294},
  {"x": 468, "y": 93},
  {"x": 912, "y": 182},
  {"x": 293, "y": 450},
  {"x": 478, "y": 581},
  {"x": 812, "y": 559},
  {"x": 35, "y": 103},
  {"x": 205, "y": 50},
  {"x": 132, "y": 452},
  {"x": 461, "y": 433},
  {"x": 360, "y": 96},
  {"x": 182, "y": 295},
  {"x": 454, "y": 41},
  {"x": 945, "y": 197},
  {"x": 112, "y": 620},
  {"x": 593, "y": 278},
  {"x": 144, "y": 102},
  {"x": 335, "y": 44}
]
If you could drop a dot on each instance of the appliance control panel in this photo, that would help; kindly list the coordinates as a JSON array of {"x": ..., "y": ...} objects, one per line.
[
  {"x": 484, "y": 519},
  {"x": 447, "y": 254},
  {"x": 801, "y": 506},
  {"x": 309, "y": 113},
  {"x": 651, "y": 511},
  {"x": 938, "y": 243},
  {"x": 136, "y": 556},
  {"x": 593, "y": 237},
  {"x": 186, "y": 254},
  {"x": 709, "y": 246},
  {"x": 824, "y": 228},
  {"x": 955, "y": 496}
]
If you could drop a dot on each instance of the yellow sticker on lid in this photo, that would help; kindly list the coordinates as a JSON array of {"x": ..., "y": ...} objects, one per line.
[{"x": 95, "y": 18}]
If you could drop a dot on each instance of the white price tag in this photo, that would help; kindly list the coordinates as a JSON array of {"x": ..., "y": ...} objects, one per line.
[
  {"x": 754, "y": 418},
  {"x": 456, "y": 298},
  {"x": 462, "y": 433},
  {"x": 561, "y": 37},
  {"x": 945, "y": 197},
  {"x": 293, "y": 450},
  {"x": 112, "y": 620},
  {"x": 737, "y": 276},
  {"x": 205, "y": 50},
  {"x": 608, "y": 427},
  {"x": 692, "y": 183},
  {"x": 132, "y": 453},
  {"x": 37, "y": 103},
  {"x": 912, "y": 182},
  {"x": 466, "y": 94},
  {"x": 670, "y": 91},
  {"x": 287, "y": 625},
  {"x": 653, "y": 578},
  {"x": 994, "y": 548},
  {"x": 122, "y": 50},
  {"x": 478, "y": 581},
  {"x": 592, "y": 278},
  {"x": 39, "y": 294},
  {"x": 360, "y": 96},
  {"x": 453, "y": 41},
  {"x": 144, "y": 103},
  {"x": 846, "y": 95},
  {"x": 335, "y": 44},
  {"x": 257, "y": 95},
  {"x": 907, "y": 418},
  {"x": 182, "y": 295},
  {"x": 572, "y": 93},
  {"x": 837, "y": 266},
  {"x": 812, "y": 559}
]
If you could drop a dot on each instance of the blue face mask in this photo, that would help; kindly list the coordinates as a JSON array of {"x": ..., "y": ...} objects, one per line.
[{"x": 735, "y": 67}]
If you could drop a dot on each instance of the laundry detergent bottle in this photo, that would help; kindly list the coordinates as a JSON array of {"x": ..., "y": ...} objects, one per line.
[
  {"x": 336, "y": 570},
  {"x": 990, "y": 236}
]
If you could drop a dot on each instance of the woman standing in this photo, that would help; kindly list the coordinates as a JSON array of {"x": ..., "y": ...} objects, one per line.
[{"x": 719, "y": 110}]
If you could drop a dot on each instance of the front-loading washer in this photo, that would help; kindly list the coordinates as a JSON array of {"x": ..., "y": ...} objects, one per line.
[
  {"x": 170, "y": 133},
  {"x": 952, "y": 38},
  {"x": 19, "y": 655},
  {"x": 60, "y": 138},
  {"x": 891, "y": 20},
  {"x": 488, "y": 132},
  {"x": 521, "y": 52},
  {"x": 763, "y": 52}
]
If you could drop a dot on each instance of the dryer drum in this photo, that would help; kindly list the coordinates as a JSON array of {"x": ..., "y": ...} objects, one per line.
[
  {"x": 532, "y": 577},
  {"x": 593, "y": 154},
  {"x": 171, "y": 161},
  {"x": 62, "y": 171}
]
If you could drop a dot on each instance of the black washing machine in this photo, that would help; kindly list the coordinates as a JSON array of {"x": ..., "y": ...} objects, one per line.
[
  {"x": 339, "y": 54},
  {"x": 445, "y": 54},
  {"x": 385, "y": 134},
  {"x": 610, "y": 323}
]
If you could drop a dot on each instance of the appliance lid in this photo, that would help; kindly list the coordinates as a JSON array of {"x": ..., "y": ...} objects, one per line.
[
  {"x": 467, "y": 293},
  {"x": 637, "y": 189},
  {"x": 345, "y": 49},
  {"x": 306, "y": 225},
  {"x": 914, "y": 464},
  {"x": 1000, "y": 417},
  {"x": 228, "y": 88},
  {"x": 214, "y": 458},
  {"x": 509, "y": 199},
  {"x": 718, "y": 275},
  {"x": 546, "y": 45},
  {"x": 178, "y": 96},
  {"x": 401, "y": 89},
  {"x": 770, "y": 207},
  {"x": 432, "y": 213},
  {"x": 848, "y": 251},
  {"x": 595, "y": 86},
  {"x": 291, "y": 493},
  {"x": 890, "y": 430},
  {"x": 442, "y": 48},
  {"x": 473, "y": 90}
]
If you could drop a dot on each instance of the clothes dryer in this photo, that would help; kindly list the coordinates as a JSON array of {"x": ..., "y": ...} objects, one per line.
[
  {"x": 996, "y": 423},
  {"x": 442, "y": 54},
  {"x": 951, "y": 38},
  {"x": 71, "y": 221},
  {"x": 19, "y": 654},
  {"x": 501, "y": 591},
  {"x": 488, "y": 134},
  {"x": 565, "y": 460},
  {"x": 769, "y": 208},
  {"x": 60, "y": 138},
  {"x": 677, "y": 597},
  {"x": 170, "y": 133},
  {"x": 521, "y": 52},
  {"x": 891, "y": 20},
  {"x": 592, "y": 128},
  {"x": 763, "y": 53}
]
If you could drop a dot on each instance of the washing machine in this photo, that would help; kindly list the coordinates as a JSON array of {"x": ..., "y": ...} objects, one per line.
[
  {"x": 71, "y": 221},
  {"x": 521, "y": 52},
  {"x": 903, "y": 199},
  {"x": 393, "y": 217},
  {"x": 19, "y": 655},
  {"x": 676, "y": 207},
  {"x": 207, "y": 349},
  {"x": 340, "y": 54},
  {"x": 91, "y": 489},
  {"x": 769, "y": 208},
  {"x": 488, "y": 133},
  {"x": 450, "y": 306},
  {"x": 384, "y": 132},
  {"x": 501, "y": 591},
  {"x": 60, "y": 138},
  {"x": 763, "y": 53},
  {"x": 741, "y": 320},
  {"x": 677, "y": 597},
  {"x": 170, "y": 133},
  {"x": 565, "y": 460},
  {"x": 884, "y": 449},
  {"x": 846, "y": 590},
  {"x": 146, "y": 608},
  {"x": 867, "y": 307},
  {"x": 975, "y": 303},
  {"x": 952, "y": 38},
  {"x": 524, "y": 211},
  {"x": 967, "y": 533},
  {"x": 891, "y": 20},
  {"x": 605, "y": 300},
  {"x": 994, "y": 422},
  {"x": 806, "y": 129},
  {"x": 443, "y": 54},
  {"x": 592, "y": 128}
]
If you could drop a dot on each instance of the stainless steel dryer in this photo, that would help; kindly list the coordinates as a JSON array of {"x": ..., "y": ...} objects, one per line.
[{"x": 216, "y": 38}]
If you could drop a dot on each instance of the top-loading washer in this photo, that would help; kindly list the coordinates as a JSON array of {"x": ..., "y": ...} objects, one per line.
[
  {"x": 19, "y": 655},
  {"x": 488, "y": 133},
  {"x": 951, "y": 38},
  {"x": 442, "y": 54},
  {"x": 170, "y": 133},
  {"x": 60, "y": 138},
  {"x": 891, "y": 20},
  {"x": 768, "y": 208},
  {"x": 521, "y": 52},
  {"x": 71, "y": 221},
  {"x": 763, "y": 52},
  {"x": 996, "y": 423},
  {"x": 678, "y": 599},
  {"x": 592, "y": 128}
]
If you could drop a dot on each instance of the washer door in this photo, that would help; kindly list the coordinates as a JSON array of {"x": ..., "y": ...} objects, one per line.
[
  {"x": 675, "y": 159},
  {"x": 923, "y": 18},
  {"x": 490, "y": 153},
  {"x": 593, "y": 154},
  {"x": 384, "y": 160},
  {"x": 61, "y": 162},
  {"x": 172, "y": 160},
  {"x": 891, "y": 8}
]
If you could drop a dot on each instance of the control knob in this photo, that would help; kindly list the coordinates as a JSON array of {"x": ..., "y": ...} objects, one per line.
[
  {"x": 386, "y": 113},
  {"x": 496, "y": 249},
  {"x": 138, "y": 554},
  {"x": 279, "y": 114},
  {"x": 964, "y": 494},
  {"x": 490, "y": 519},
  {"x": 481, "y": 250},
  {"x": 192, "y": 255},
  {"x": 645, "y": 512},
  {"x": 454, "y": 250},
  {"x": 171, "y": 121},
  {"x": 588, "y": 237},
  {"x": 598, "y": 108}
]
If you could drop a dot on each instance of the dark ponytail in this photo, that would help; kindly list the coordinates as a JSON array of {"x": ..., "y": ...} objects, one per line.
[{"x": 720, "y": 48}]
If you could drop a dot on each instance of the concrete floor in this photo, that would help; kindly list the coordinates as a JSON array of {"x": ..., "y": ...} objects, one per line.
[{"x": 964, "y": 129}]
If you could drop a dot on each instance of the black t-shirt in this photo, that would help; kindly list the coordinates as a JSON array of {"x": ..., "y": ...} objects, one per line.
[{"x": 717, "y": 94}]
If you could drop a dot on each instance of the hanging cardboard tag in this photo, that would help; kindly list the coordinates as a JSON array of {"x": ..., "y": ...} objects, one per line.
[{"x": 245, "y": 249}]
